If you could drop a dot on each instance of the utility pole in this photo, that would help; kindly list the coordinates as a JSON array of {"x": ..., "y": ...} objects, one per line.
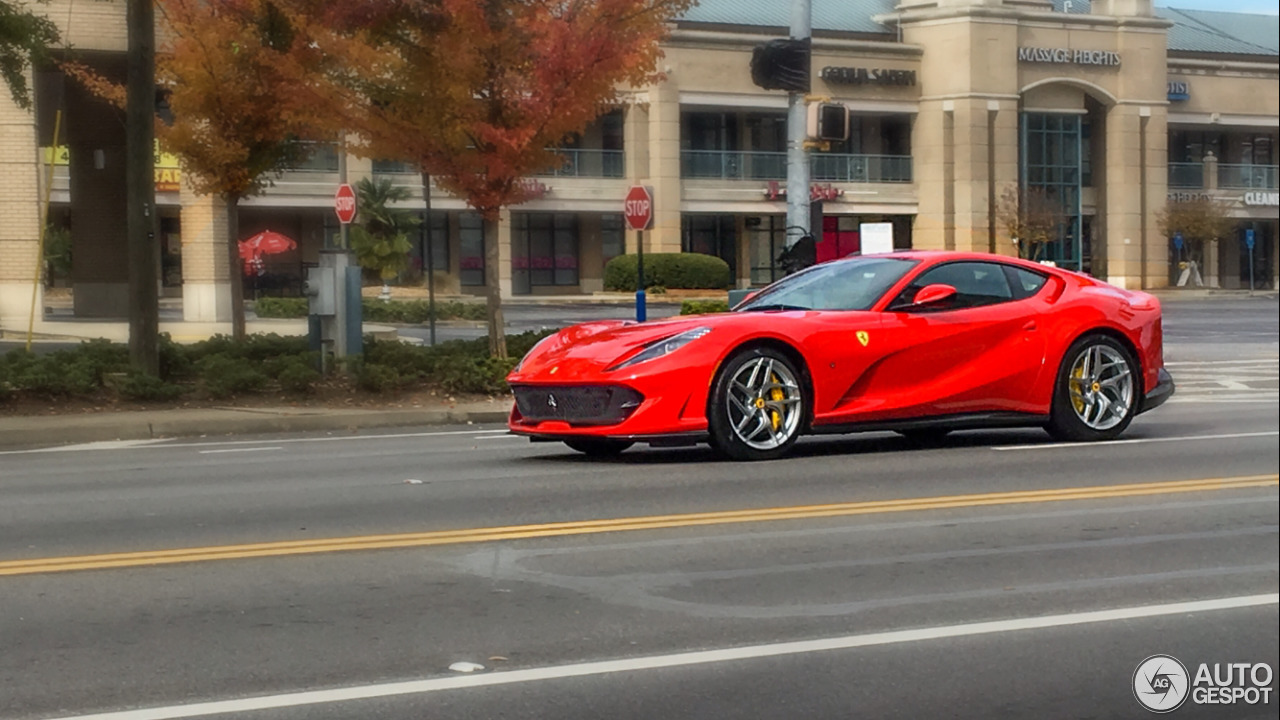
[
  {"x": 797, "y": 120},
  {"x": 142, "y": 253}
]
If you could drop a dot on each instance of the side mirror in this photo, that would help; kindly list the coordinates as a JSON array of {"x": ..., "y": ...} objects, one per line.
[{"x": 931, "y": 295}]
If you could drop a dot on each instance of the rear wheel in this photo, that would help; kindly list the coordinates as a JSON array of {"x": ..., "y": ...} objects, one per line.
[
  {"x": 599, "y": 447},
  {"x": 1095, "y": 396},
  {"x": 757, "y": 405}
]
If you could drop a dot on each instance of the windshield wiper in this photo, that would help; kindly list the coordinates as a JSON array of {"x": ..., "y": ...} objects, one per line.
[{"x": 776, "y": 306}]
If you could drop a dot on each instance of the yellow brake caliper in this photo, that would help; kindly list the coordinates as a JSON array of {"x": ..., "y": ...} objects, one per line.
[
  {"x": 1077, "y": 398},
  {"x": 776, "y": 395}
]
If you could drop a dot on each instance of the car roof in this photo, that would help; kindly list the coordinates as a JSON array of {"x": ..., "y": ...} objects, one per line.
[{"x": 934, "y": 257}]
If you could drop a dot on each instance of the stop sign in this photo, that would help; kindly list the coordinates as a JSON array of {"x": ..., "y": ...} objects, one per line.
[
  {"x": 344, "y": 204},
  {"x": 638, "y": 207}
]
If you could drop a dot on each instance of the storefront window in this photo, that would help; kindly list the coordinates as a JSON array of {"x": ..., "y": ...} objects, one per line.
[
  {"x": 613, "y": 237},
  {"x": 435, "y": 235},
  {"x": 1190, "y": 146},
  {"x": 544, "y": 250},
  {"x": 767, "y": 237},
  {"x": 471, "y": 249},
  {"x": 712, "y": 235},
  {"x": 1051, "y": 163}
]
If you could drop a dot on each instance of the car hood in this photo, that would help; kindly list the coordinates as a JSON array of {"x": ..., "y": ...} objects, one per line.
[{"x": 582, "y": 352}]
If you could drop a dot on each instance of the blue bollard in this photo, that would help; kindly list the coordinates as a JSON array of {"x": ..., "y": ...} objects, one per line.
[{"x": 640, "y": 309}]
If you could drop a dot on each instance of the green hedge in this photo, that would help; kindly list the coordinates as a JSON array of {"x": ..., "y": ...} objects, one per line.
[
  {"x": 274, "y": 307},
  {"x": 702, "y": 307},
  {"x": 221, "y": 368},
  {"x": 418, "y": 311},
  {"x": 393, "y": 311},
  {"x": 682, "y": 271}
]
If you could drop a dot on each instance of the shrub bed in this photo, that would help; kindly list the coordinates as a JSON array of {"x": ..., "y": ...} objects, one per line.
[
  {"x": 680, "y": 271},
  {"x": 220, "y": 368},
  {"x": 390, "y": 311},
  {"x": 702, "y": 307}
]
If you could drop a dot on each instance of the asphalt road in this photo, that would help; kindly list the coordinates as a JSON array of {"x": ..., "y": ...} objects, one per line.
[{"x": 340, "y": 576}]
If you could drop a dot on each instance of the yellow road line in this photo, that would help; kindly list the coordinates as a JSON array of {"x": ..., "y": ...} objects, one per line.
[{"x": 584, "y": 527}]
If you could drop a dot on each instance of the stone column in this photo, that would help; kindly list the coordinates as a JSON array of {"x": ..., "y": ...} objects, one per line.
[
  {"x": 1130, "y": 128},
  {"x": 20, "y": 231},
  {"x": 972, "y": 169},
  {"x": 590, "y": 253},
  {"x": 1212, "y": 270},
  {"x": 206, "y": 291},
  {"x": 504, "y": 254},
  {"x": 664, "y": 168},
  {"x": 635, "y": 141},
  {"x": 931, "y": 141}
]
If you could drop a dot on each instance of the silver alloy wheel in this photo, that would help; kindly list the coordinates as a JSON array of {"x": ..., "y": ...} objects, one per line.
[
  {"x": 765, "y": 404},
  {"x": 1100, "y": 387}
]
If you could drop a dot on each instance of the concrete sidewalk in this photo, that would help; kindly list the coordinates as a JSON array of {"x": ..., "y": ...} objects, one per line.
[{"x": 48, "y": 430}]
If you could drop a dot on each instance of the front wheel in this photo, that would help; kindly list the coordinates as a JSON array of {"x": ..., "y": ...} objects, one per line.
[
  {"x": 757, "y": 406},
  {"x": 599, "y": 447},
  {"x": 1095, "y": 395}
]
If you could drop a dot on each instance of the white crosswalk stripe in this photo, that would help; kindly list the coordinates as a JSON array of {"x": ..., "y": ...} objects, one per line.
[{"x": 1254, "y": 380}]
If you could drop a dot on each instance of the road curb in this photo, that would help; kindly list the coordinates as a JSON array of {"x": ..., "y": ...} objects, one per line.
[{"x": 61, "y": 430}]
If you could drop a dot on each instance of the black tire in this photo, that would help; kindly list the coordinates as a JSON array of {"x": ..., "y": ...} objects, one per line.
[
  {"x": 925, "y": 437},
  {"x": 599, "y": 447},
  {"x": 1065, "y": 421},
  {"x": 788, "y": 412}
]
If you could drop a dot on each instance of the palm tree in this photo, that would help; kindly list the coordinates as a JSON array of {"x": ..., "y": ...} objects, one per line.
[{"x": 381, "y": 239}]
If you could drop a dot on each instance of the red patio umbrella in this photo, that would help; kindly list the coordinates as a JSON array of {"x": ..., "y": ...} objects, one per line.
[{"x": 266, "y": 242}]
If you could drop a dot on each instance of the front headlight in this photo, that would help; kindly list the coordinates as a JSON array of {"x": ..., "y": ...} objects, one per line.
[
  {"x": 660, "y": 348},
  {"x": 532, "y": 350}
]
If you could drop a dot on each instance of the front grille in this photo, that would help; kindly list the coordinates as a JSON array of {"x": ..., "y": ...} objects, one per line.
[{"x": 577, "y": 404}]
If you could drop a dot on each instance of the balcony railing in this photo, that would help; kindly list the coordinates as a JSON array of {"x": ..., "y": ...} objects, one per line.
[
  {"x": 1251, "y": 177},
  {"x": 1186, "y": 175},
  {"x": 321, "y": 157},
  {"x": 393, "y": 167},
  {"x": 730, "y": 165},
  {"x": 825, "y": 167},
  {"x": 861, "y": 168},
  {"x": 589, "y": 163}
]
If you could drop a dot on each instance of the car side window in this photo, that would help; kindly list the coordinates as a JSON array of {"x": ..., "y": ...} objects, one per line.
[
  {"x": 976, "y": 283},
  {"x": 1026, "y": 283}
]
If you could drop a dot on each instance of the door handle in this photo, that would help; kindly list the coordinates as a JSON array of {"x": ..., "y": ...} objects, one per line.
[{"x": 1030, "y": 326}]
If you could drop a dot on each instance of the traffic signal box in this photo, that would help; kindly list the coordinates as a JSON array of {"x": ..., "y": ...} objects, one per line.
[
  {"x": 828, "y": 121},
  {"x": 781, "y": 65}
]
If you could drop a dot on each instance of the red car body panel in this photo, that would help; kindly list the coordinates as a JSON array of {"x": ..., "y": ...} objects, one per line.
[{"x": 863, "y": 367}]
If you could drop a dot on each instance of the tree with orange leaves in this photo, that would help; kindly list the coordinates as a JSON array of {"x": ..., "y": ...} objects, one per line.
[
  {"x": 480, "y": 93},
  {"x": 243, "y": 83}
]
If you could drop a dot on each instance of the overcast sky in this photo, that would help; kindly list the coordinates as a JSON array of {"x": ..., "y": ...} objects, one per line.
[{"x": 1270, "y": 7}]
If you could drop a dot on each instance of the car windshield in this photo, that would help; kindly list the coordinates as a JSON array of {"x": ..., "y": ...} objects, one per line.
[{"x": 853, "y": 284}]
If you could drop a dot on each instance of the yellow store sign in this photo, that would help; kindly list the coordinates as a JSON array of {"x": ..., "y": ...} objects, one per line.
[{"x": 168, "y": 173}]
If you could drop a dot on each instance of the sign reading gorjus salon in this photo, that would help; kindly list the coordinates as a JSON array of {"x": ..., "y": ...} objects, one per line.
[
  {"x": 867, "y": 76},
  {"x": 1066, "y": 56}
]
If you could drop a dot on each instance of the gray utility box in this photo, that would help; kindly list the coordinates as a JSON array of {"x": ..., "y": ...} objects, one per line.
[
  {"x": 321, "y": 289},
  {"x": 737, "y": 296}
]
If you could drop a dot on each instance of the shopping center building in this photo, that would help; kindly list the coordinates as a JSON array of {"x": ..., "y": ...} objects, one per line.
[{"x": 1114, "y": 105}]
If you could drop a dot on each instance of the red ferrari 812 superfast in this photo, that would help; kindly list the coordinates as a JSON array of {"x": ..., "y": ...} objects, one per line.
[{"x": 920, "y": 343}]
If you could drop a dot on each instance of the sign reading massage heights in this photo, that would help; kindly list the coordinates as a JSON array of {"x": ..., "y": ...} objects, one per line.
[{"x": 1066, "y": 56}]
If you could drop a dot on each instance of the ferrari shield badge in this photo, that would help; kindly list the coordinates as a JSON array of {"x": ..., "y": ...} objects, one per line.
[{"x": 863, "y": 337}]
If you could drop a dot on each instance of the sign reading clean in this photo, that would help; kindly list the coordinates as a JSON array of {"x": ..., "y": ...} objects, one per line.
[
  {"x": 1264, "y": 199},
  {"x": 1068, "y": 57}
]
